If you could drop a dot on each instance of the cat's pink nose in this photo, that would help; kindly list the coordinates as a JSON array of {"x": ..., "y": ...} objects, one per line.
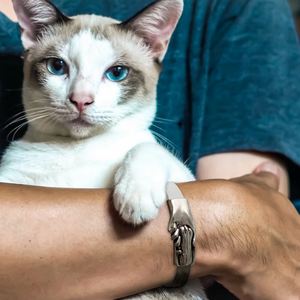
[{"x": 81, "y": 101}]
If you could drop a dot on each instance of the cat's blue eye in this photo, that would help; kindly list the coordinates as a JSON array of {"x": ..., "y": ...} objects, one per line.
[
  {"x": 57, "y": 66},
  {"x": 117, "y": 73}
]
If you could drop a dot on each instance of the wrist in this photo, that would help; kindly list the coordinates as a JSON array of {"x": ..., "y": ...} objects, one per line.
[
  {"x": 181, "y": 227},
  {"x": 217, "y": 252},
  {"x": 203, "y": 198}
]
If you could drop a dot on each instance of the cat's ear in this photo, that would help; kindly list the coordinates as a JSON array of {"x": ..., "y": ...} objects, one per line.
[
  {"x": 34, "y": 16},
  {"x": 155, "y": 24}
]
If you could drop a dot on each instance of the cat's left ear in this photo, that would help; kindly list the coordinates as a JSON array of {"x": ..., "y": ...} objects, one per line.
[
  {"x": 156, "y": 24},
  {"x": 34, "y": 16}
]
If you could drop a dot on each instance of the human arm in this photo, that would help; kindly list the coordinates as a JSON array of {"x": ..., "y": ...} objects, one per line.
[
  {"x": 239, "y": 163},
  {"x": 251, "y": 94},
  {"x": 234, "y": 164},
  {"x": 70, "y": 244},
  {"x": 253, "y": 232},
  {"x": 6, "y": 7}
]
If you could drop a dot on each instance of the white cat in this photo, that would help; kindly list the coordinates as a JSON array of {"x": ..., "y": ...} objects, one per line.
[{"x": 90, "y": 96}]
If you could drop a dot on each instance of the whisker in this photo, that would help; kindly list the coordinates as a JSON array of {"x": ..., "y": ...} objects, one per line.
[
  {"x": 41, "y": 100},
  {"x": 23, "y": 117},
  {"x": 27, "y": 111},
  {"x": 15, "y": 130},
  {"x": 159, "y": 128},
  {"x": 165, "y": 120},
  {"x": 164, "y": 139},
  {"x": 187, "y": 162},
  {"x": 56, "y": 119},
  {"x": 45, "y": 122},
  {"x": 49, "y": 121}
]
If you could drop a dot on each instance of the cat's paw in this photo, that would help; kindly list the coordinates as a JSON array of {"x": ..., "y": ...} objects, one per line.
[{"x": 139, "y": 194}]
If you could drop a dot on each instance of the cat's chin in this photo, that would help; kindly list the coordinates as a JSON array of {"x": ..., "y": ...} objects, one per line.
[
  {"x": 80, "y": 129},
  {"x": 78, "y": 132}
]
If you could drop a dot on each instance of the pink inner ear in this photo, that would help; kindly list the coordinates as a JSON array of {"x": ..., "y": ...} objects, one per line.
[
  {"x": 28, "y": 29},
  {"x": 27, "y": 41},
  {"x": 159, "y": 42},
  {"x": 157, "y": 24},
  {"x": 28, "y": 33},
  {"x": 165, "y": 33},
  {"x": 33, "y": 15}
]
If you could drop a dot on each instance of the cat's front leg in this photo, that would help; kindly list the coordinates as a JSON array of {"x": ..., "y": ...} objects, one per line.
[{"x": 140, "y": 182}]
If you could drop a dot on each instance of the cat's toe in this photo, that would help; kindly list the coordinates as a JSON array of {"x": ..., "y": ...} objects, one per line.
[
  {"x": 137, "y": 201},
  {"x": 139, "y": 214}
]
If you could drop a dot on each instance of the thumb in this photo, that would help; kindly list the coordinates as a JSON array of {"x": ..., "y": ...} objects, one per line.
[{"x": 269, "y": 174}]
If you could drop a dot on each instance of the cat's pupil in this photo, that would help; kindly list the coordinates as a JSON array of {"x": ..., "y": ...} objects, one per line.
[
  {"x": 117, "y": 71},
  {"x": 58, "y": 65}
]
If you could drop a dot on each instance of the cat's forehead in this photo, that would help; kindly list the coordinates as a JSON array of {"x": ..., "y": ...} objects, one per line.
[
  {"x": 93, "y": 37},
  {"x": 85, "y": 46},
  {"x": 97, "y": 24}
]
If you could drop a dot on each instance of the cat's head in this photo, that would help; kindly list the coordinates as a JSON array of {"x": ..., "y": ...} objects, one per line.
[{"x": 86, "y": 74}]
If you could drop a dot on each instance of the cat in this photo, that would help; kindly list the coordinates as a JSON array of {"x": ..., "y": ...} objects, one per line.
[{"x": 89, "y": 94}]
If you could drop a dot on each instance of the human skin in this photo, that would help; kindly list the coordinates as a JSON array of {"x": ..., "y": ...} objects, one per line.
[
  {"x": 254, "y": 234},
  {"x": 7, "y": 8},
  {"x": 71, "y": 244},
  {"x": 238, "y": 163}
]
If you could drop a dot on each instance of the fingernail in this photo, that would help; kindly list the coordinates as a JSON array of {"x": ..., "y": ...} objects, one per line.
[{"x": 268, "y": 167}]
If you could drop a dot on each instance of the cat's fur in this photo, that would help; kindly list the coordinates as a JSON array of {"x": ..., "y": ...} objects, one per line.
[{"x": 106, "y": 143}]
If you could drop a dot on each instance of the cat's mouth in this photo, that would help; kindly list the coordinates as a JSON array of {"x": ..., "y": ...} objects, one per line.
[
  {"x": 80, "y": 122},
  {"x": 80, "y": 128}
]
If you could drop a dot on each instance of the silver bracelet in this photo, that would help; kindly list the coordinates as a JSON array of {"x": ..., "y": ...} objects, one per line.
[{"x": 183, "y": 234}]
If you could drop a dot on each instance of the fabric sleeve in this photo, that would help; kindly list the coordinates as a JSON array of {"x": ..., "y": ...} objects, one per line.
[
  {"x": 253, "y": 97},
  {"x": 253, "y": 94},
  {"x": 10, "y": 42}
]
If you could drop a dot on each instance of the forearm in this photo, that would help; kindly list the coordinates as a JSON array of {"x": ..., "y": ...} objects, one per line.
[
  {"x": 70, "y": 244},
  {"x": 239, "y": 163}
]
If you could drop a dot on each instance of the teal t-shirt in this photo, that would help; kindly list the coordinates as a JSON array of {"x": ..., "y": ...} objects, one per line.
[{"x": 231, "y": 77}]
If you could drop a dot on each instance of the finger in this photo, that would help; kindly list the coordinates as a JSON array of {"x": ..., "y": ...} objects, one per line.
[{"x": 269, "y": 174}]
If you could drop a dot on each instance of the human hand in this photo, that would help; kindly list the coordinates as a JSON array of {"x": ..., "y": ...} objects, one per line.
[{"x": 248, "y": 235}]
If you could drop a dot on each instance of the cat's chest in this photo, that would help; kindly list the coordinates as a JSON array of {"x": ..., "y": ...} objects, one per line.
[{"x": 89, "y": 163}]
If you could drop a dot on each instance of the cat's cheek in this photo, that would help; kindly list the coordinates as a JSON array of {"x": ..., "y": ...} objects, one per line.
[
  {"x": 58, "y": 87},
  {"x": 109, "y": 94}
]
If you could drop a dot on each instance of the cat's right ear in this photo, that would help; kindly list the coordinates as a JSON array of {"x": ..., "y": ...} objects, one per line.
[
  {"x": 34, "y": 16},
  {"x": 155, "y": 24}
]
